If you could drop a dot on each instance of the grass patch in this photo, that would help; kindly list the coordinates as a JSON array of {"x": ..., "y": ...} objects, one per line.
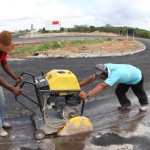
[{"x": 53, "y": 45}]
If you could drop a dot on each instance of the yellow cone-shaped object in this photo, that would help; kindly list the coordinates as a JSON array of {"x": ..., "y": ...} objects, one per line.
[{"x": 76, "y": 125}]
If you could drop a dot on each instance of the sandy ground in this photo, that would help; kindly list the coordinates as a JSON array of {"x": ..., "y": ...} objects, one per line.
[{"x": 109, "y": 48}]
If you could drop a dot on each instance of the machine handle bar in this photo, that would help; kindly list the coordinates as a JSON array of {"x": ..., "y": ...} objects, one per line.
[
  {"x": 27, "y": 73},
  {"x": 22, "y": 84},
  {"x": 16, "y": 96}
]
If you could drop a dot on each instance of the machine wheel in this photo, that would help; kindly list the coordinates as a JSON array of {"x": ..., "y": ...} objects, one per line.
[
  {"x": 39, "y": 134},
  {"x": 32, "y": 117}
]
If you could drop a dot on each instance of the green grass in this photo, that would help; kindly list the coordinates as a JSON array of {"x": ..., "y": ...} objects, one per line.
[{"x": 53, "y": 45}]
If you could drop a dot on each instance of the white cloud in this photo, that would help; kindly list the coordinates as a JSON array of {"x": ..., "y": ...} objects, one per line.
[{"x": 20, "y": 14}]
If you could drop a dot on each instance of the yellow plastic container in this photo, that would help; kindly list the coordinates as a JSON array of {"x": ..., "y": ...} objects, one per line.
[{"x": 62, "y": 80}]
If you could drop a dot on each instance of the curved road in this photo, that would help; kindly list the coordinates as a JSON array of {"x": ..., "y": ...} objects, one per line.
[{"x": 113, "y": 130}]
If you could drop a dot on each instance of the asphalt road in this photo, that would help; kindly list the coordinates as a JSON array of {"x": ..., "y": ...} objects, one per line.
[
  {"x": 17, "y": 38},
  {"x": 113, "y": 130}
]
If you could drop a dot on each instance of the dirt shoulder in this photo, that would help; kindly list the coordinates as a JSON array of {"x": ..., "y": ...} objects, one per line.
[{"x": 109, "y": 48}]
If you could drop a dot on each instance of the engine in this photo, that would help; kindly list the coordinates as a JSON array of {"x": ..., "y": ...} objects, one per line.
[{"x": 67, "y": 106}]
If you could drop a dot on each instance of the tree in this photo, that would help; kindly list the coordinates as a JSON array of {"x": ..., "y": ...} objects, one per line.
[
  {"x": 62, "y": 29},
  {"x": 92, "y": 28}
]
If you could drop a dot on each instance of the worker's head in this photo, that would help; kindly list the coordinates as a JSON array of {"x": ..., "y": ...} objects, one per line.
[
  {"x": 6, "y": 44},
  {"x": 101, "y": 71}
]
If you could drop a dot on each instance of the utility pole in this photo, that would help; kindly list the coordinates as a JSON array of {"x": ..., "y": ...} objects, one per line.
[
  {"x": 133, "y": 35},
  {"x": 31, "y": 30},
  {"x": 127, "y": 34}
]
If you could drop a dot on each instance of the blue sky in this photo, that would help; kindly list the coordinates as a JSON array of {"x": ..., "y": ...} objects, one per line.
[{"x": 20, "y": 14}]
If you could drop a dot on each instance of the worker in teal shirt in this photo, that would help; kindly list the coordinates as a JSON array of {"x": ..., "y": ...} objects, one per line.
[
  {"x": 126, "y": 76},
  {"x": 122, "y": 73}
]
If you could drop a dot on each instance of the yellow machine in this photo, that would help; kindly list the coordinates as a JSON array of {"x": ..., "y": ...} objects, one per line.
[
  {"x": 62, "y": 80},
  {"x": 60, "y": 106}
]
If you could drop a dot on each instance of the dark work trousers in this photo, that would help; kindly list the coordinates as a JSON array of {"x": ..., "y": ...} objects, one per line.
[{"x": 137, "y": 89}]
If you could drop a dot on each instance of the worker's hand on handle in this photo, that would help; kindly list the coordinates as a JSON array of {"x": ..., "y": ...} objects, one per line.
[
  {"x": 83, "y": 95},
  {"x": 19, "y": 79},
  {"x": 16, "y": 90}
]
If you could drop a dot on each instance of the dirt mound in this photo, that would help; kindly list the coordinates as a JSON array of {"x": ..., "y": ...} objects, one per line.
[{"x": 114, "y": 47}]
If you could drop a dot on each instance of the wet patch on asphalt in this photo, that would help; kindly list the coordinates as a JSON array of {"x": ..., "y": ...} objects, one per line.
[{"x": 114, "y": 139}]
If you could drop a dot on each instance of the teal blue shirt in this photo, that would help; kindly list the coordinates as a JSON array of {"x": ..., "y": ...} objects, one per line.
[{"x": 122, "y": 73}]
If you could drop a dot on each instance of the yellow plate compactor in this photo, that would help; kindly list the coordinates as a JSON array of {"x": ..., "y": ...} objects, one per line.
[{"x": 59, "y": 107}]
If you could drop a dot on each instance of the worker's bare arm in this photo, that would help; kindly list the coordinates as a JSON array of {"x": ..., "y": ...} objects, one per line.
[
  {"x": 87, "y": 80},
  {"x": 100, "y": 87}
]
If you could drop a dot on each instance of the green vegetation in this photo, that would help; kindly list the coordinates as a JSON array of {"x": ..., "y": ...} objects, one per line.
[
  {"x": 87, "y": 41},
  {"x": 107, "y": 28},
  {"x": 53, "y": 45},
  {"x": 141, "y": 33}
]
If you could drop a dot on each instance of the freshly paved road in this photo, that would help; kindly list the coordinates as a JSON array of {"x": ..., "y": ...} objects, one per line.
[{"x": 113, "y": 130}]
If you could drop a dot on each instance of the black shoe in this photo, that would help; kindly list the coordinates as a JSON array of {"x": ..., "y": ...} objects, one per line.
[{"x": 123, "y": 108}]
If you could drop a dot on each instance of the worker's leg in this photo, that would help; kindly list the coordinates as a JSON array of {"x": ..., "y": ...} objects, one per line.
[
  {"x": 121, "y": 91},
  {"x": 2, "y": 105},
  {"x": 138, "y": 90}
]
